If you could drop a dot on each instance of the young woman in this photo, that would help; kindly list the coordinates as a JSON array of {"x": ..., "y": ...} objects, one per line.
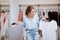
[{"x": 31, "y": 24}]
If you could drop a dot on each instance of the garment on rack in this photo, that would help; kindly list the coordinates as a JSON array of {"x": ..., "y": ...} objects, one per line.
[
  {"x": 53, "y": 15},
  {"x": 20, "y": 16},
  {"x": 0, "y": 21},
  {"x": 12, "y": 33},
  {"x": 0, "y": 25},
  {"x": 50, "y": 15},
  {"x": 48, "y": 29},
  {"x": 4, "y": 19},
  {"x": 59, "y": 19}
]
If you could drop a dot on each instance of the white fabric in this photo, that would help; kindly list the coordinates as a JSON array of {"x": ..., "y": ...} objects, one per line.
[
  {"x": 2, "y": 25},
  {"x": 14, "y": 32},
  {"x": 48, "y": 30},
  {"x": 0, "y": 35}
]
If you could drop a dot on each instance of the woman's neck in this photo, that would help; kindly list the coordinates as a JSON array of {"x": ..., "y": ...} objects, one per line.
[{"x": 29, "y": 16}]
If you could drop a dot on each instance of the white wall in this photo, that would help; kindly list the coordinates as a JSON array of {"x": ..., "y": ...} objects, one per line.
[
  {"x": 14, "y": 10},
  {"x": 39, "y": 1},
  {"x": 6, "y": 2}
]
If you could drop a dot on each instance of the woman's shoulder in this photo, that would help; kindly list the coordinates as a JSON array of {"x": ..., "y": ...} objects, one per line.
[{"x": 25, "y": 19}]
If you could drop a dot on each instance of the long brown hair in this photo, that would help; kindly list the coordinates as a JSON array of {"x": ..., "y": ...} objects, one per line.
[{"x": 29, "y": 8}]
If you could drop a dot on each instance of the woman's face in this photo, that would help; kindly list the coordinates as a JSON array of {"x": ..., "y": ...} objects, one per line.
[{"x": 32, "y": 13}]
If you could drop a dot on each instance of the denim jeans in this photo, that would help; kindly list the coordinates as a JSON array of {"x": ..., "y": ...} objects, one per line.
[{"x": 32, "y": 34}]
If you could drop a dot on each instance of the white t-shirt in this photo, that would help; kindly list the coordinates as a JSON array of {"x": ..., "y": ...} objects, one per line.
[
  {"x": 48, "y": 29},
  {"x": 14, "y": 32},
  {"x": 52, "y": 25}
]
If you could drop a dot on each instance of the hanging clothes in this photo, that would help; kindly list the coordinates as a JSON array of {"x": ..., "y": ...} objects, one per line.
[
  {"x": 12, "y": 33},
  {"x": 53, "y": 15},
  {"x": 48, "y": 29},
  {"x": 56, "y": 17},
  {"x": 4, "y": 19},
  {"x": 2, "y": 24},
  {"x": 0, "y": 21},
  {"x": 20, "y": 16},
  {"x": 59, "y": 19},
  {"x": 50, "y": 15}
]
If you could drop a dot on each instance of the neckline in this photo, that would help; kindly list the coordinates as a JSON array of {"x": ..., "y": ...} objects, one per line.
[
  {"x": 48, "y": 21},
  {"x": 29, "y": 18}
]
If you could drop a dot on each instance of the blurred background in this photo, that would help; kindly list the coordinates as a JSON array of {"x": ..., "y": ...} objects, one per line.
[{"x": 9, "y": 11}]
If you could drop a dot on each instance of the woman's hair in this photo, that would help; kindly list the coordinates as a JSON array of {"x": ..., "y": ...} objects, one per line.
[{"x": 29, "y": 8}]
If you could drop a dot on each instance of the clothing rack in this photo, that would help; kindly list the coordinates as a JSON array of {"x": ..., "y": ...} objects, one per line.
[
  {"x": 38, "y": 8},
  {"x": 37, "y": 5},
  {"x": 5, "y": 10},
  {"x": 58, "y": 7},
  {"x": 0, "y": 7}
]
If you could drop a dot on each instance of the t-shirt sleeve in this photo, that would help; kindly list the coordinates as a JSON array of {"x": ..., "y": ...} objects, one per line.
[{"x": 55, "y": 24}]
